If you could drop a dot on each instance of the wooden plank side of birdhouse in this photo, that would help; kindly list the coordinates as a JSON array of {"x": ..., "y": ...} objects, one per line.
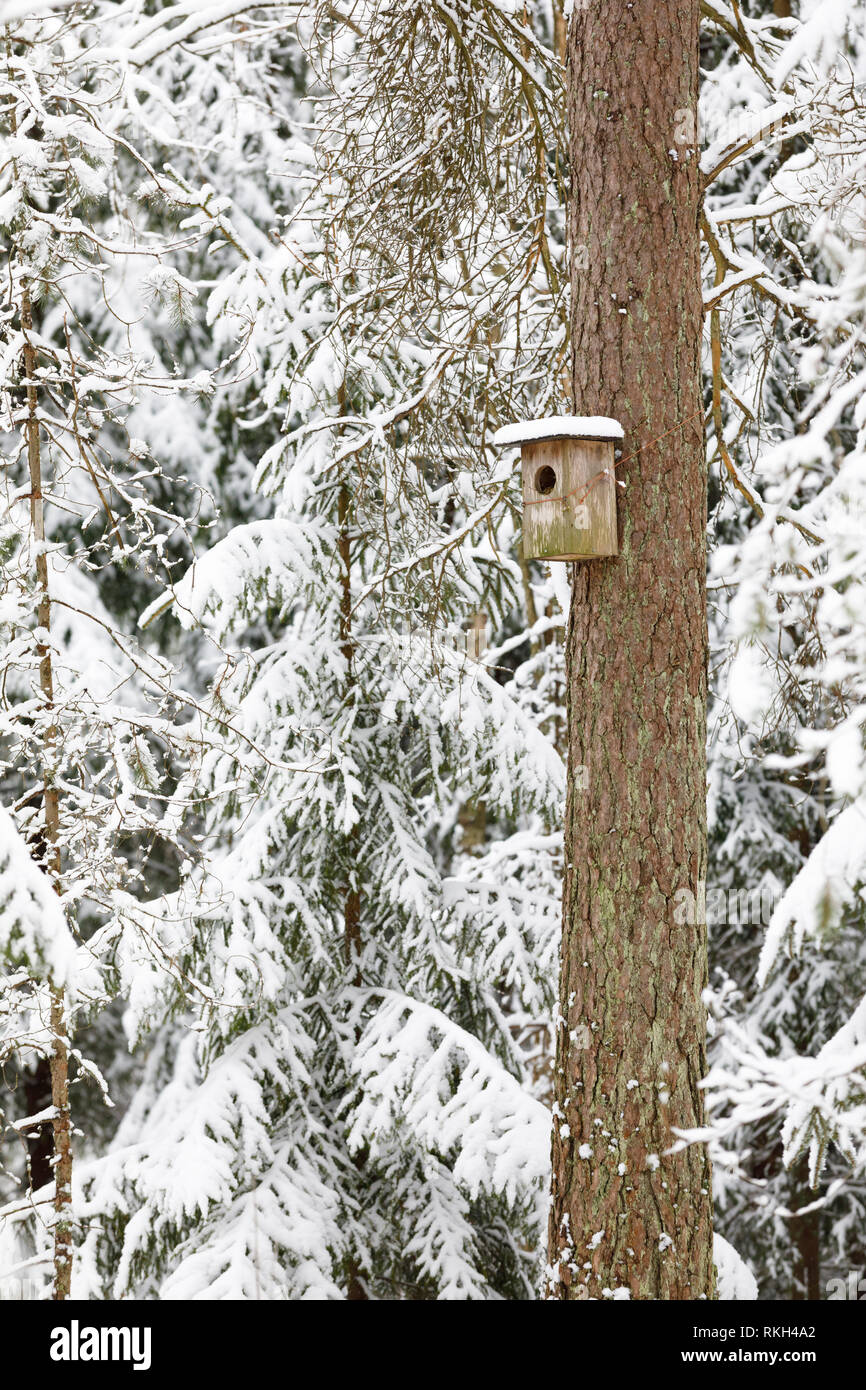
[{"x": 569, "y": 499}]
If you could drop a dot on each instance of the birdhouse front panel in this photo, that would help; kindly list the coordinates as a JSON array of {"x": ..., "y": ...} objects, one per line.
[
  {"x": 569, "y": 487},
  {"x": 569, "y": 499}
]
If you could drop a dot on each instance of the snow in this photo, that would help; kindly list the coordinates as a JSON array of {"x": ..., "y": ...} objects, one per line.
[
  {"x": 813, "y": 902},
  {"x": 750, "y": 685},
  {"x": 268, "y": 769},
  {"x": 33, "y": 927},
  {"x": 412, "y": 1052},
  {"x": 559, "y": 427},
  {"x": 734, "y": 1278}
]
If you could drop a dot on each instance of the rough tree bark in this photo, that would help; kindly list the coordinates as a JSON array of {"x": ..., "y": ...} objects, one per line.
[{"x": 626, "y": 1214}]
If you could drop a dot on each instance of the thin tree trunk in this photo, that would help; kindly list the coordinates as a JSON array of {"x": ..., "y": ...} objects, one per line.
[
  {"x": 560, "y": 29},
  {"x": 36, "y": 1088},
  {"x": 352, "y": 898},
  {"x": 59, "y": 1061},
  {"x": 355, "y": 1290},
  {"x": 626, "y": 1214},
  {"x": 806, "y": 1237}
]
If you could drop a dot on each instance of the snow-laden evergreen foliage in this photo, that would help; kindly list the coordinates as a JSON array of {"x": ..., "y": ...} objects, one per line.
[
  {"x": 368, "y": 987},
  {"x": 783, "y": 109},
  {"x": 93, "y": 734},
  {"x": 284, "y": 271}
]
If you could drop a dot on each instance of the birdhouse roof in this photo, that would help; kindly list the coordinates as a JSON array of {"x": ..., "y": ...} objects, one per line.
[{"x": 559, "y": 427}]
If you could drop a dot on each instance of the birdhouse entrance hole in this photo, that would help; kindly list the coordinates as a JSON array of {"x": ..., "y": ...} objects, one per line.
[
  {"x": 569, "y": 485},
  {"x": 545, "y": 479}
]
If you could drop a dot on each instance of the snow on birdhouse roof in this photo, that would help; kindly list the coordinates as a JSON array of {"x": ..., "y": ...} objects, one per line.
[{"x": 559, "y": 427}]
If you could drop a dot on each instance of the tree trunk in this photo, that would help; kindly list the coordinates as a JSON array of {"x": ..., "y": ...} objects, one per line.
[
  {"x": 626, "y": 1214},
  {"x": 805, "y": 1236},
  {"x": 59, "y": 1061},
  {"x": 355, "y": 1289},
  {"x": 36, "y": 1089}
]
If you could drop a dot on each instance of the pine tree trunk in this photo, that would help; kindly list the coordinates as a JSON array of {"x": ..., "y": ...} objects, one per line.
[{"x": 631, "y": 1042}]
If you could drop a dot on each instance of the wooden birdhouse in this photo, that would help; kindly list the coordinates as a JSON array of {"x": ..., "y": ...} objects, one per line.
[{"x": 569, "y": 487}]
